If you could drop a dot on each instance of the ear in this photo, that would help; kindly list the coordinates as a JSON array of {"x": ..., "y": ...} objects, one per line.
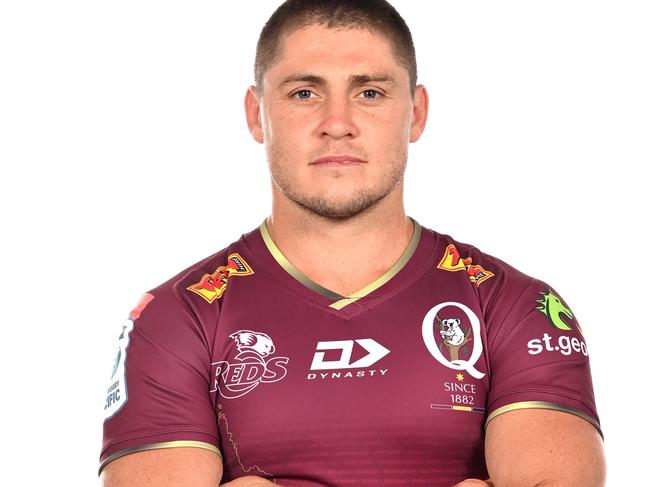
[
  {"x": 420, "y": 112},
  {"x": 252, "y": 106}
]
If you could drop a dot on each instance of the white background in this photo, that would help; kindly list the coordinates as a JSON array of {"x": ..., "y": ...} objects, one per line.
[{"x": 125, "y": 158}]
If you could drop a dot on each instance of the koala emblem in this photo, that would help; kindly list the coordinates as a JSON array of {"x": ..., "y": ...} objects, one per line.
[{"x": 451, "y": 332}]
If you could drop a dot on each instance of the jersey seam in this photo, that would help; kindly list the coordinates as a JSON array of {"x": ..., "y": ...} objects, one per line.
[
  {"x": 546, "y": 390},
  {"x": 512, "y": 406},
  {"x": 497, "y": 336},
  {"x": 192, "y": 315},
  {"x": 512, "y": 329},
  {"x": 163, "y": 348},
  {"x": 150, "y": 433},
  {"x": 302, "y": 297},
  {"x": 188, "y": 306}
]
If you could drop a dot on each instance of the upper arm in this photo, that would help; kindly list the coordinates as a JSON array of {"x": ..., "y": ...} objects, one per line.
[
  {"x": 542, "y": 424},
  {"x": 538, "y": 354},
  {"x": 175, "y": 467},
  {"x": 535, "y": 447},
  {"x": 158, "y": 401}
]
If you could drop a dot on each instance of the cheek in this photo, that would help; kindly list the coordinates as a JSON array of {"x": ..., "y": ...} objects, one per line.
[
  {"x": 389, "y": 132},
  {"x": 279, "y": 120},
  {"x": 284, "y": 135},
  {"x": 280, "y": 151}
]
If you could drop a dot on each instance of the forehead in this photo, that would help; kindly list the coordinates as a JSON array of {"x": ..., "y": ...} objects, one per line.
[{"x": 335, "y": 51}]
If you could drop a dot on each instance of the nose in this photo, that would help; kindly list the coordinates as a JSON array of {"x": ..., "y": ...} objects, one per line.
[{"x": 338, "y": 119}]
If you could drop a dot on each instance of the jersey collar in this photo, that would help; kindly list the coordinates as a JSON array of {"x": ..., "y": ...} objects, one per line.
[{"x": 339, "y": 302}]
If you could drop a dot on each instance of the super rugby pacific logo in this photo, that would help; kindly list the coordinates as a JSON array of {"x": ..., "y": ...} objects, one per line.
[{"x": 251, "y": 366}]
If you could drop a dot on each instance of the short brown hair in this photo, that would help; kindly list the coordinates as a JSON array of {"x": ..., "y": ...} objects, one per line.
[{"x": 376, "y": 15}]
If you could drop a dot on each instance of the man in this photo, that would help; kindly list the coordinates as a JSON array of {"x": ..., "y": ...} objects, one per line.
[{"x": 341, "y": 343}]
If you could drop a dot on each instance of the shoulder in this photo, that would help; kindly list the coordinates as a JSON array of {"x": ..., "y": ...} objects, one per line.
[
  {"x": 486, "y": 272},
  {"x": 206, "y": 280},
  {"x": 504, "y": 293},
  {"x": 189, "y": 303}
]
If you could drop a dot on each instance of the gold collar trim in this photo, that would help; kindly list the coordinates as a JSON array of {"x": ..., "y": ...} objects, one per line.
[{"x": 342, "y": 301}]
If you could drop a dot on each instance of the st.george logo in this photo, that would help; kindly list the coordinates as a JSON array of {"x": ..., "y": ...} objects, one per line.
[
  {"x": 552, "y": 306},
  {"x": 252, "y": 365}
]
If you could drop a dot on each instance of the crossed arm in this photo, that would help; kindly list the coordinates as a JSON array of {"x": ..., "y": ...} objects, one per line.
[{"x": 524, "y": 448}]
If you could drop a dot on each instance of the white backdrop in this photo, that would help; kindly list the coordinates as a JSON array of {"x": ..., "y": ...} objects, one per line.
[{"x": 125, "y": 158}]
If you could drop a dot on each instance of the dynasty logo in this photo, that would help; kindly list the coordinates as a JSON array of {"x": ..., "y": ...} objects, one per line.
[
  {"x": 343, "y": 349},
  {"x": 212, "y": 286},
  {"x": 251, "y": 367},
  {"x": 453, "y": 262}
]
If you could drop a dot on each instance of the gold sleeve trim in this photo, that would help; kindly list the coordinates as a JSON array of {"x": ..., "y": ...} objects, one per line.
[
  {"x": 341, "y": 301},
  {"x": 157, "y": 446},
  {"x": 542, "y": 405}
]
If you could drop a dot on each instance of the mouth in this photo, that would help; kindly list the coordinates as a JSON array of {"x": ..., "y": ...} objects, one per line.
[{"x": 343, "y": 160}]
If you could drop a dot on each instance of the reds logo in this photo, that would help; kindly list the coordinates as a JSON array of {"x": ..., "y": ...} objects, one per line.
[
  {"x": 212, "y": 286},
  {"x": 233, "y": 380},
  {"x": 453, "y": 262}
]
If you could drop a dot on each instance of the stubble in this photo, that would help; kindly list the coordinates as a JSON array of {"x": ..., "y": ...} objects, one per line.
[{"x": 347, "y": 207}]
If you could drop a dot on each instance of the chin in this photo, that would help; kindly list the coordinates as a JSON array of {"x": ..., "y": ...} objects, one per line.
[{"x": 341, "y": 208}]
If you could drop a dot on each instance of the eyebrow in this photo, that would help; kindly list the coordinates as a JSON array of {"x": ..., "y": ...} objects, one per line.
[{"x": 355, "y": 79}]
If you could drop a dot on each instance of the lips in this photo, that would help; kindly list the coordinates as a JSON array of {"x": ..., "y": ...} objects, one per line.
[{"x": 338, "y": 160}]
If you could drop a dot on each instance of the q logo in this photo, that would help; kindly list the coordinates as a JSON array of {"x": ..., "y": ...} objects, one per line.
[{"x": 454, "y": 334}]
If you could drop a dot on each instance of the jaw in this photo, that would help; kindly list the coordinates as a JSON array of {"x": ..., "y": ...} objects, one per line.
[{"x": 340, "y": 206}]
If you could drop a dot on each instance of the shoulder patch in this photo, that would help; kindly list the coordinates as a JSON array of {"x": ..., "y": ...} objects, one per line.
[
  {"x": 116, "y": 394},
  {"x": 452, "y": 261},
  {"x": 212, "y": 286},
  {"x": 551, "y": 305}
]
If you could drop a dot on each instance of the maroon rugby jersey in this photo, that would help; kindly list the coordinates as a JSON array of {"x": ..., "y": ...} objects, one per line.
[{"x": 245, "y": 355}]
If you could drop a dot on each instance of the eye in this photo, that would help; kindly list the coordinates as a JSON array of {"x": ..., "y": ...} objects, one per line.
[
  {"x": 302, "y": 94},
  {"x": 370, "y": 94}
]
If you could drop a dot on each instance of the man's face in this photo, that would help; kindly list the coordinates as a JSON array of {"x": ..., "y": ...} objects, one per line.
[{"x": 336, "y": 115}]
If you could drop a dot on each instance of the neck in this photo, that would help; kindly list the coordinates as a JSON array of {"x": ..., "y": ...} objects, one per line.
[{"x": 326, "y": 249}]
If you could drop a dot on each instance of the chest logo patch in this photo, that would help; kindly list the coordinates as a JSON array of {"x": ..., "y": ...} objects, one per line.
[
  {"x": 251, "y": 367},
  {"x": 375, "y": 352},
  {"x": 212, "y": 286},
  {"x": 450, "y": 330},
  {"x": 453, "y": 262}
]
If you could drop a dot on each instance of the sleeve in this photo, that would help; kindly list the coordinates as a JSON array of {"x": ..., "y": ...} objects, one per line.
[
  {"x": 538, "y": 355},
  {"x": 158, "y": 395}
]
